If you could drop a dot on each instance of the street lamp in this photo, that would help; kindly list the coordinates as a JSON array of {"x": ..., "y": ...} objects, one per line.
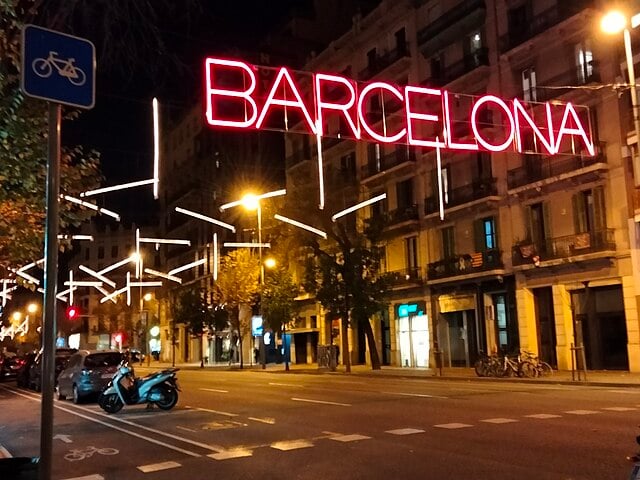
[
  {"x": 147, "y": 296},
  {"x": 612, "y": 23}
]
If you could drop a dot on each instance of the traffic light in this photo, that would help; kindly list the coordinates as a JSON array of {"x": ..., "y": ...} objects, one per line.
[{"x": 72, "y": 312}]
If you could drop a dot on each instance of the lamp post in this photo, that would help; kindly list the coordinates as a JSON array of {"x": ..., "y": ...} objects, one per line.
[
  {"x": 146, "y": 298},
  {"x": 612, "y": 23},
  {"x": 32, "y": 308}
]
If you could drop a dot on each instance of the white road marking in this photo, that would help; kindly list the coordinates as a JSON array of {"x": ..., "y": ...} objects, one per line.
[
  {"x": 214, "y": 390},
  {"x": 413, "y": 394},
  {"x": 349, "y": 438},
  {"x": 626, "y": 390},
  {"x": 226, "y": 414},
  {"x": 291, "y": 445},
  {"x": 4, "y": 453},
  {"x": 284, "y": 385},
  {"x": 95, "y": 476},
  {"x": 499, "y": 420},
  {"x": 120, "y": 429},
  {"x": 227, "y": 454},
  {"x": 404, "y": 431},
  {"x": 268, "y": 421},
  {"x": 620, "y": 409},
  {"x": 324, "y": 402},
  {"x": 156, "y": 467},
  {"x": 581, "y": 412},
  {"x": 185, "y": 429},
  {"x": 543, "y": 416},
  {"x": 64, "y": 438},
  {"x": 452, "y": 426}
]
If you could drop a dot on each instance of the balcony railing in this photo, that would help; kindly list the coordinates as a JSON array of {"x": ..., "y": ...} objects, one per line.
[
  {"x": 465, "y": 264},
  {"x": 403, "y": 214},
  {"x": 541, "y": 22},
  {"x": 540, "y": 168},
  {"x": 576, "y": 75},
  {"x": 299, "y": 156},
  {"x": 461, "y": 12},
  {"x": 405, "y": 276},
  {"x": 470, "y": 62},
  {"x": 563, "y": 247},
  {"x": 390, "y": 160},
  {"x": 386, "y": 60},
  {"x": 465, "y": 194}
]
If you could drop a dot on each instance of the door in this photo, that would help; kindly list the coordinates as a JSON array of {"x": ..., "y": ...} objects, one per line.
[{"x": 545, "y": 325}]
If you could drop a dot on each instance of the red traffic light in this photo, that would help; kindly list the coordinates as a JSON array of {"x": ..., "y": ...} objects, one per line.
[{"x": 72, "y": 312}]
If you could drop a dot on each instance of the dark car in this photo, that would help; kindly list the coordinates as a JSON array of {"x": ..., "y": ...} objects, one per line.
[
  {"x": 87, "y": 373},
  {"x": 35, "y": 372},
  {"x": 22, "y": 377},
  {"x": 9, "y": 366}
]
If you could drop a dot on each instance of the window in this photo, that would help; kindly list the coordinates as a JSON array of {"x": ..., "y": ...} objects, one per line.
[
  {"x": 584, "y": 61},
  {"x": 489, "y": 230},
  {"x": 378, "y": 208},
  {"x": 87, "y": 253},
  {"x": 101, "y": 252},
  {"x": 529, "y": 85},
  {"x": 448, "y": 242},
  {"x": 381, "y": 253},
  {"x": 348, "y": 165},
  {"x": 474, "y": 41},
  {"x": 114, "y": 251},
  {"x": 374, "y": 157},
  {"x": 404, "y": 193},
  {"x": 401, "y": 41},
  {"x": 437, "y": 66},
  {"x": 501, "y": 321},
  {"x": 411, "y": 252},
  {"x": 588, "y": 211},
  {"x": 372, "y": 57}
]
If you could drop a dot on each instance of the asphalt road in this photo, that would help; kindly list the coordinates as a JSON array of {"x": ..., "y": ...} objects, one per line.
[{"x": 266, "y": 425}]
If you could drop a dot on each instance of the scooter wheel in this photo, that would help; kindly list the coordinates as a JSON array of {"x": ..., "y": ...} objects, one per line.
[
  {"x": 110, "y": 403},
  {"x": 169, "y": 399}
]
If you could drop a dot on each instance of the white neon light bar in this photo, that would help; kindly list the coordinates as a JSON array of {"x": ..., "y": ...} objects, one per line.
[
  {"x": 635, "y": 20},
  {"x": 170, "y": 241},
  {"x": 112, "y": 295},
  {"x": 104, "y": 292},
  {"x": 28, "y": 277},
  {"x": 440, "y": 189},
  {"x": 359, "y": 205},
  {"x": 300, "y": 225},
  {"x": 145, "y": 284},
  {"x": 83, "y": 283},
  {"x": 62, "y": 295},
  {"x": 117, "y": 265},
  {"x": 187, "y": 266},
  {"x": 30, "y": 265},
  {"x": 246, "y": 244},
  {"x": 75, "y": 237},
  {"x": 275, "y": 193},
  {"x": 93, "y": 273},
  {"x": 162, "y": 275},
  {"x": 128, "y": 288},
  {"x": 206, "y": 219},
  {"x": 215, "y": 256},
  {"x": 138, "y": 256},
  {"x": 122, "y": 186},
  {"x": 320, "y": 168},
  {"x": 156, "y": 148},
  {"x": 92, "y": 206}
]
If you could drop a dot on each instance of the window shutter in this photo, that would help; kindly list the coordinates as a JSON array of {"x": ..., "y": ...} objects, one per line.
[
  {"x": 579, "y": 223},
  {"x": 599, "y": 213},
  {"x": 478, "y": 235},
  {"x": 546, "y": 218}
]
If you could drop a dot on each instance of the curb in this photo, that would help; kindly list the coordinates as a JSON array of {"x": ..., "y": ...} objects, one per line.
[{"x": 4, "y": 453}]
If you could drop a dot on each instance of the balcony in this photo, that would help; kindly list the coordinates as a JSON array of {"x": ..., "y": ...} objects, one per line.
[
  {"x": 540, "y": 23},
  {"x": 452, "y": 72},
  {"x": 405, "y": 277},
  {"x": 563, "y": 247},
  {"x": 466, "y": 264},
  {"x": 450, "y": 26},
  {"x": 299, "y": 156},
  {"x": 403, "y": 214},
  {"x": 391, "y": 160},
  {"x": 382, "y": 62},
  {"x": 541, "y": 168},
  {"x": 458, "y": 196},
  {"x": 575, "y": 75}
]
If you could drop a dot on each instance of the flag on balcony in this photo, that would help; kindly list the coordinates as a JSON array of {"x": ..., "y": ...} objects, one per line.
[{"x": 476, "y": 259}]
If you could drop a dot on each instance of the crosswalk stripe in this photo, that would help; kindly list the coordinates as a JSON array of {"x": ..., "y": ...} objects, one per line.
[
  {"x": 499, "y": 420},
  {"x": 452, "y": 426},
  {"x": 620, "y": 409},
  {"x": 95, "y": 476},
  {"x": 228, "y": 454},
  {"x": 581, "y": 412},
  {"x": 291, "y": 445},
  {"x": 349, "y": 438},
  {"x": 405, "y": 431},
  {"x": 543, "y": 416}
]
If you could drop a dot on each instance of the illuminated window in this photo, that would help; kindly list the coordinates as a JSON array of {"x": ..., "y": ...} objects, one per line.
[
  {"x": 529, "y": 85},
  {"x": 584, "y": 61}
]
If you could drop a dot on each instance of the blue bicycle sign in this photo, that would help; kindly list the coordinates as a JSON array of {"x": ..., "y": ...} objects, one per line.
[{"x": 58, "y": 67}]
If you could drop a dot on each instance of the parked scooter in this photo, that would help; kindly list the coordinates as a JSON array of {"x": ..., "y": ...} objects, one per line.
[{"x": 160, "y": 388}]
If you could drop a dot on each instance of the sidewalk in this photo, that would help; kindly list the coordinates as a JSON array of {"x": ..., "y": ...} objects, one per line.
[{"x": 593, "y": 378}]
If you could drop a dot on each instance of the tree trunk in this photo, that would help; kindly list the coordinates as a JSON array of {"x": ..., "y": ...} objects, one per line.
[{"x": 371, "y": 342}]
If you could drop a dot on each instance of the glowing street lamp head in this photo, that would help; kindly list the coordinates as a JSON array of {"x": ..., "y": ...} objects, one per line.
[
  {"x": 270, "y": 262},
  {"x": 32, "y": 308},
  {"x": 147, "y": 297},
  {"x": 613, "y": 22},
  {"x": 250, "y": 201},
  {"x": 17, "y": 316},
  {"x": 135, "y": 257}
]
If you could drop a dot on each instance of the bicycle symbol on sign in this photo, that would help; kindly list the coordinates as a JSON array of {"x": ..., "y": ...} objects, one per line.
[
  {"x": 43, "y": 67},
  {"x": 82, "y": 453}
]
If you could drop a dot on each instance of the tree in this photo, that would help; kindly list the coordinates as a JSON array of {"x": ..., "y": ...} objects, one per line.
[
  {"x": 344, "y": 271},
  {"x": 23, "y": 143},
  {"x": 237, "y": 285},
  {"x": 193, "y": 310},
  {"x": 278, "y": 301}
]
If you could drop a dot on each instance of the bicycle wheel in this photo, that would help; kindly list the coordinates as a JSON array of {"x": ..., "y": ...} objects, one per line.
[
  {"x": 527, "y": 370},
  {"x": 545, "y": 369},
  {"x": 74, "y": 456},
  {"x": 482, "y": 368},
  {"x": 80, "y": 77},
  {"x": 107, "y": 451},
  {"x": 41, "y": 67}
]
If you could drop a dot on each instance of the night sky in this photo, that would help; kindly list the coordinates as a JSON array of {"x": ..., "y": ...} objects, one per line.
[{"x": 119, "y": 126}]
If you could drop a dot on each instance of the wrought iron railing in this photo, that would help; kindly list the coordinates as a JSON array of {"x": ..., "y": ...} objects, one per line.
[
  {"x": 465, "y": 194},
  {"x": 465, "y": 264},
  {"x": 385, "y": 60},
  {"x": 405, "y": 276},
  {"x": 470, "y": 62},
  {"x": 540, "y": 168},
  {"x": 398, "y": 156}
]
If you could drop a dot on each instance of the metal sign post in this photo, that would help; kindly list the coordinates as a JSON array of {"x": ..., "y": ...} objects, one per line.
[{"x": 58, "y": 68}]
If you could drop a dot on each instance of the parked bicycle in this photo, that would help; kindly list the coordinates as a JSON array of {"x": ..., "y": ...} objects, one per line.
[{"x": 540, "y": 368}]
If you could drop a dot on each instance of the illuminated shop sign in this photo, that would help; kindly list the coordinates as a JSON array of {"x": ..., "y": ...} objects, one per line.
[{"x": 243, "y": 96}]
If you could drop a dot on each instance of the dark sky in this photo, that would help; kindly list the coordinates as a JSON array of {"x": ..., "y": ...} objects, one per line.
[{"x": 119, "y": 126}]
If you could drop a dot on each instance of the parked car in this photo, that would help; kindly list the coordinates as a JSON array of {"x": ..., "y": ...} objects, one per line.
[
  {"x": 35, "y": 372},
  {"x": 9, "y": 366},
  {"x": 22, "y": 377},
  {"x": 87, "y": 373}
]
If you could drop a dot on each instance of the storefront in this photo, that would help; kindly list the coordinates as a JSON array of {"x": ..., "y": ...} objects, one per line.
[{"x": 413, "y": 334}]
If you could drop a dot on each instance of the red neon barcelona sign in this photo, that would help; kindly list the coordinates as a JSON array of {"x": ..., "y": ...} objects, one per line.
[{"x": 245, "y": 96}]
